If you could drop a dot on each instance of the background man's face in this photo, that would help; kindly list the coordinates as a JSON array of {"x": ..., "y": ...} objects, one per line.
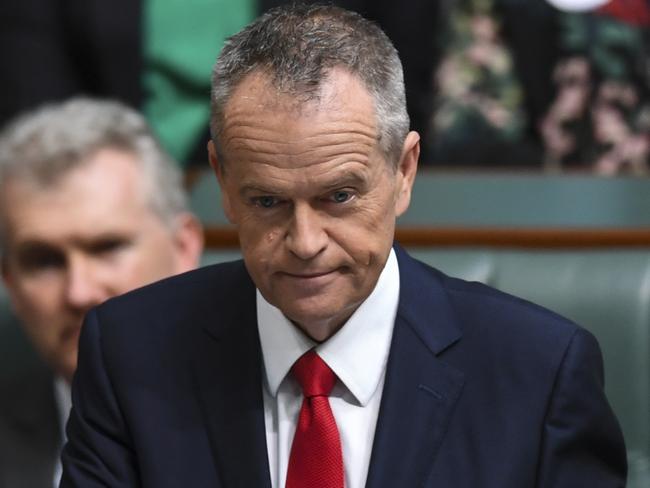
[
  {"x": 312, "y": 196},
  {"x": 71, "y": 246}
]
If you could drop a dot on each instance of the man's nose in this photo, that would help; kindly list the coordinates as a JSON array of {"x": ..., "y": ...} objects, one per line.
[
  {"x": 83, "y": 286},
  {"x": 306, "y": 237}
]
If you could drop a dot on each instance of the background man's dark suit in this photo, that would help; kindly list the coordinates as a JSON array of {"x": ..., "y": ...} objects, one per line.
[
  {"x": 30, "y": 426},
  {"x": 482, "y": 390}
]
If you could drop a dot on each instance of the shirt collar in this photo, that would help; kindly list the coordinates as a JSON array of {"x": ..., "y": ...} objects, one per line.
[
  {"x": 357, "y": 353},
  {"x": 63, "y": 400}
]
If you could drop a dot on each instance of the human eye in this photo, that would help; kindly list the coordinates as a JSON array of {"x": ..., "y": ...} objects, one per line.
[
  {"x": 341, "y": 196},
  {"x": 265, "y": 201},
  {"x": 39, "y": 259},
  {"x": 108, "y": 245}
]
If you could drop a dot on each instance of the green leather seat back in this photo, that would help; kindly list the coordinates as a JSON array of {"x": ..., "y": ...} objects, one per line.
[
  {"x": 205, "y": 200},
  {"x": 479, "y": 200},
  {"x": 476, "y": 200}
]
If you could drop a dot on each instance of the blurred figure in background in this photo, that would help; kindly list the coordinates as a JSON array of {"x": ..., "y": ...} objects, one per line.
[
  {"x": 492, "y": 83},
  {"x": 600, "y": 116},
  {"x": 156, "y": 55},
  {"x": 153, "y": 55},
  {"x": 558, "y": 84},
  {"x": 90, "y": 207},
  {"x": 489, "y": 83}
]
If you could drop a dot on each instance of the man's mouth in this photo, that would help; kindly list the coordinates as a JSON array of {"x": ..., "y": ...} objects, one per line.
[
  {"x": 310, "y": 275},
  {"x": 309, "y": 281}
]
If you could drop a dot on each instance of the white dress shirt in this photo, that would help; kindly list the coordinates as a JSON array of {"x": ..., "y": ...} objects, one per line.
[
  {"x": 63, "y": 400},
  {"x": 357, "y": 353}
]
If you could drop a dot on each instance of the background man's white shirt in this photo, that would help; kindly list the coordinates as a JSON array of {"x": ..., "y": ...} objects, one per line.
[{"x": 63, "y": 400}]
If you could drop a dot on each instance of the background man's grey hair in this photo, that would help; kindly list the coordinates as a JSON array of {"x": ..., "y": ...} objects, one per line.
[
  {"x": 297, "y": 46},
  {"x": 41, "y": 146}
]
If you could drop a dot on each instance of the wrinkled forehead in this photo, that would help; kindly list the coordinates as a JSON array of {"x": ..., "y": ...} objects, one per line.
[
  {"x": 341, "y": 100},
  {"x": 107, "y": 187}
]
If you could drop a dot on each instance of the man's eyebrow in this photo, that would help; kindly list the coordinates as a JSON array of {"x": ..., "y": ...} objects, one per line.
[
  {"x": 30, "y": 251},
  {"x": 105, "y": 241},
  {"x": 84, "y": 242},
  {"x": 253, "y": 188},
  {"x": 349, "y": 178},
  {"x": 33, "y": 245}
]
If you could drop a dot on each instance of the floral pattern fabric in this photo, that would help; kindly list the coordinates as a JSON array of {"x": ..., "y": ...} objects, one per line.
[
  {"x": 601, "y": 115},
  {"x": 598, "y": 117},
  {"x": 478, "y": 93}
]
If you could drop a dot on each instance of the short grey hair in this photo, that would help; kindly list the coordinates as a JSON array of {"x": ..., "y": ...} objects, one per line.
[
  {"x": 298, "y": 45},
  {"x": 41, "y": 146}
]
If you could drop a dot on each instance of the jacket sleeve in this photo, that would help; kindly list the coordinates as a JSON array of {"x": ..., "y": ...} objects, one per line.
[
  {"x": 98, "y": 451},
  {"x": 582, "y": 441}
]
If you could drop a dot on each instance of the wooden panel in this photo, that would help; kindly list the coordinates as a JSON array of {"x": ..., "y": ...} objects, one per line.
[
  {"x": 221, "y": 237},
  {"x": 226, "y": 237},
  {"x": 524, "y": 238}
]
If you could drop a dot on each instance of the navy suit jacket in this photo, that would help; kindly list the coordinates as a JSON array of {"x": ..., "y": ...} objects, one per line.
[{"x": 482, "y": 390}]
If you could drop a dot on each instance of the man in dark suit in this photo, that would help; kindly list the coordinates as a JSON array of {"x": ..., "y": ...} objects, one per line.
[
  {"x": 90, "y": 207},
  {"x": 328, "y": 356}
]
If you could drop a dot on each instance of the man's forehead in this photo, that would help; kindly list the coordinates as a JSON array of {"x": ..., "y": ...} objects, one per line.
[
  {"x": 259, "y": 117},
  {"x": 52, "y": 174},
  {"x": 338, "y": 87},
  {"x": 89, "y": 198}
]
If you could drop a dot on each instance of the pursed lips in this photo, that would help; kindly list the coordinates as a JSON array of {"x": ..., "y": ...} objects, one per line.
[
  {"x": 309, "y": 278},
  {"x": 315, "y": 274}
]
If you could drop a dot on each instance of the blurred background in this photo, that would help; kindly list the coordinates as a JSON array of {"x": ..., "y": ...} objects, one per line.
[{"x": 491, "y": 84}]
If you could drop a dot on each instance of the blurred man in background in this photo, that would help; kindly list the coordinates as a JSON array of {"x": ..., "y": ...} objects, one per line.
[{"x": 90, "y": 207}]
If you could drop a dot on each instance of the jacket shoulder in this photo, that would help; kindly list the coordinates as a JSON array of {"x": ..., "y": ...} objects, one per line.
[
  {"x": 483, "y": 316},
  {"x": 216, "y": 283},
  {"x": 174, "y": 307}
]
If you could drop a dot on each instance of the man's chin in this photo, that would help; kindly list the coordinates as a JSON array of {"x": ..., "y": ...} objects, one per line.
[
  {"x": 317, "y": 321},
  {"x": 307, "y": 285},
  {"x": 70, "y": 334}
]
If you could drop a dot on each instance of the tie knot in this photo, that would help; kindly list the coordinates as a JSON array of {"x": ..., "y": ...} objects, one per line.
[{"x": 314, "y": 375}]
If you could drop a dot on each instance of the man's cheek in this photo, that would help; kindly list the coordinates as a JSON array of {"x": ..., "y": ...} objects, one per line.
[{"x": 272, "y": 236}]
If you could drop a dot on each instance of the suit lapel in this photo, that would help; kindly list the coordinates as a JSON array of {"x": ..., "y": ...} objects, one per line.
[
  {"x": 229, "y": 373},
  {"x": 420, "y": 390}
]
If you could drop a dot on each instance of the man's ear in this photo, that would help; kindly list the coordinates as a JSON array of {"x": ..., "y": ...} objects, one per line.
[
  {"x": 188, "y": 242},
  {"x": 217, "y": 167},
  {"x": 406, "y": 170}
]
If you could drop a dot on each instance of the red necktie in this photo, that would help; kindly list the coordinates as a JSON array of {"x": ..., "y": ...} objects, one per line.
[{"x": 316, "y": 460}]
